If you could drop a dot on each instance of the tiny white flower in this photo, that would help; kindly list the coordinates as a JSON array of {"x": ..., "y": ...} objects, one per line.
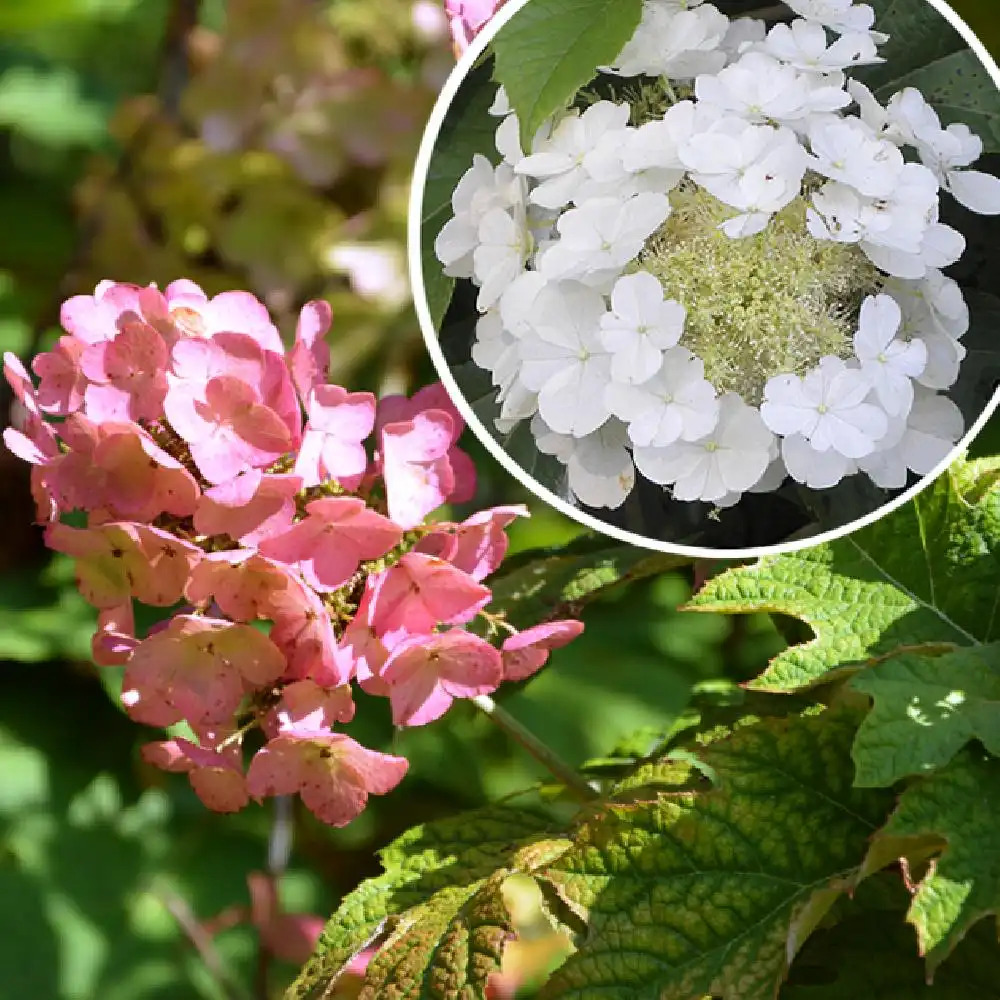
[
  {"x": 481, "y": 189},
  {"x": 599, "y": 466},
  {"x": 730, "y": 459},
  {"x": 504, "y": 245},
  {"x": 608, "y": 175},
  {"x": 888, "y": 363},
  {"x": 677, "y": 403},
  {"x": 846, "y": 150},
  {"x": 759, "y": 88},
  {"x": 803, "y": 44},
  {"x": 658, "y": 143},
  {"x": 827, "y": 407},
  {"x": 601, "y": 470},
  {"x": 937, "y": 299},
  {"x": 494, "y": 348},
  {"x": 597, "y": 239},
  {"x": 640, "y": 327},
  {"x": 564, "y": 360},
  {"x": 948, "y": 152},
  {"x": 919, "y": 443},
  {"x": 819, "y": 470},
  {"x": 674, "y": 41},
  {"x": 940, "y": 246},
  {"x": 559, "y": 160},
  {"x": 757, "y": 169},
  {"x": 842, "y": 16},
  {"x": 933, "y": 428}
]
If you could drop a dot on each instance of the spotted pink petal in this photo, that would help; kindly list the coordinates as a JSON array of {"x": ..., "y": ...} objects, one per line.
[
  {"x": 336, "y": 536},
  {"x": 425, "y": 673},
  {"x": 334, "y": 774},
  {"x": 127, "y": 374},
  {"x": 303, "y": 632},
  {"x": 477, "y": 545},
  {"x": 253, "y": 506},
  {"x": 526, "y": 653},
  {"x": 420, "y": 592},
  {"x": 61, "y": 382},
  {"x": 242, "y": 583},
  {"x": 215, "y": 775},
  {"x": 305, "y": 704},
  {"x": 114, "y": 639},
  {"x": 197, "y": 669}
]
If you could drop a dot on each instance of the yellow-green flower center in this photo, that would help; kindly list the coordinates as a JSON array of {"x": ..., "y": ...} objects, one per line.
[{"x": 762, "y": 305}]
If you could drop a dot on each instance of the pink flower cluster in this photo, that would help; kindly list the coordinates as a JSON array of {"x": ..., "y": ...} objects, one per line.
[
  {"x": 223, "y": 478},
  {"x": 467, "y": 18}
]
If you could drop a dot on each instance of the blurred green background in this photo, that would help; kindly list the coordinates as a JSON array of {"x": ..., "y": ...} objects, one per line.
[{"x": 266, "y": 145}]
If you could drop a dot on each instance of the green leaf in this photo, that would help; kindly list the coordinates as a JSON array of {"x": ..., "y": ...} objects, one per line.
[
  {"x": 925, "y": 710},
  {"x": 712, "y": 892},
  {"x": 47, "y": 105},
  {"x": 424, "y": 901},
  {"x": 468, "y": 129},
  {"x": 543, "y": 584},
  {"x": 960, "y": 90},
  {"x": 552, "y": 48},
  {"x": 958, "y": 804},
  {"x": 870, "y": 952},
  {"x": 684, "y": 893},
  {"x": 926, "y": 574},
  {"x": 926, "y": 52}
]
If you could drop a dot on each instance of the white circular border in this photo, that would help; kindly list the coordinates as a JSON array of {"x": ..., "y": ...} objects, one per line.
[{"x": 414, "y": 238}]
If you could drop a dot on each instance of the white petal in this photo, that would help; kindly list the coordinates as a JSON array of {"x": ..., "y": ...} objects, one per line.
[{"x": 976, "y": 191}]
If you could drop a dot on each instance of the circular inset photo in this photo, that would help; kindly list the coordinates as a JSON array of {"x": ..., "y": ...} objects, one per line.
[{"x": 716, "y": 276}]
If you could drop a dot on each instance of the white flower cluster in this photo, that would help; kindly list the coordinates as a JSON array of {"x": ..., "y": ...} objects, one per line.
[{"x": 586, "y": 336}]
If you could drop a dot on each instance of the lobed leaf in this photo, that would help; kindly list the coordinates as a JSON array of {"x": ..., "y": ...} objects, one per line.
[
  {"x": 959, "y": 805},
  {"x": 870, "y": 952},
  {"x": 927, "y": 574},
  {"x": 431, "y": 874},
  {"x": 539, "y": 585},
  {"x": 925, "y": 710},
  {"x": 552, "y": 48},
  {"x": 713, "y": 892}
]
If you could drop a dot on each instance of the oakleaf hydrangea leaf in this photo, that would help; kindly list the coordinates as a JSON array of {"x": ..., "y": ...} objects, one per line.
[
  {"x": 467, "y": 130},
  {"x": 713, "y": 892},
  {"x": 552, "y": 49},
  {"x": 870, "y": 952},
  {"x": 925, "y": 710},
  {"x": 542, "y": 584},
  {"x": 926, "y": 52},
  {"x": 959, "y": 804},
  {"x": 926, "y": 574},
  {"x": 431, "y": 873}
]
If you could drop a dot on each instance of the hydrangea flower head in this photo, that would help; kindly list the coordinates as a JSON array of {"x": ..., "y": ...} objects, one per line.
[
  {"x": 729, "y": 269},
  {"x": 209, "y": 465}
]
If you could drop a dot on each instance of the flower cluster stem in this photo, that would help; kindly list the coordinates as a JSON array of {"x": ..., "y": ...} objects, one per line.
[{"x": 542, "y": 753}]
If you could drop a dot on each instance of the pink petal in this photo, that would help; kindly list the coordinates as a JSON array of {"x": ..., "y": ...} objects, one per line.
[
  {"x": 525, "y": 653},
  {"x": 425, "y": 673},
  {"x": 250, "y": 508},
  {"x": 420, "y": 592},
  {"x": 309, "y": 358}
]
